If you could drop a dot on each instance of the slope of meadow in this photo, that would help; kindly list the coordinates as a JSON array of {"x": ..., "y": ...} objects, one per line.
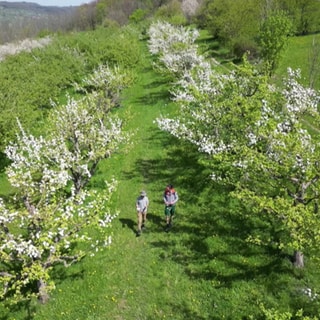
[{"x": 202, "y": 269}]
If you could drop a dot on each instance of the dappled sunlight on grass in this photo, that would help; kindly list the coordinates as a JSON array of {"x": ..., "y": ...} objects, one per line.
[{"x": 204, "y": 268}]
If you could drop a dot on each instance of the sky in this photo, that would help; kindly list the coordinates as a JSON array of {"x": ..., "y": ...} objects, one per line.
[{"x": 59, "y": 3}]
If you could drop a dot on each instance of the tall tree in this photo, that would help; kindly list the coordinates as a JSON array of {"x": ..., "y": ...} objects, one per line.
[
  {"x": 87, "y": 126},
  {"x": 273, "y": 37},
  {"x": 47, "y": 220},
  {"x": 305, "y": 15},
  {"x": 175, "y": 48},
  {"x": 234, "y": 23}
]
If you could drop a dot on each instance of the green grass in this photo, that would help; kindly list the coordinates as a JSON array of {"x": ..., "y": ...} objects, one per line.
[
  {"x": 204, "y": 269},
  {"x": 297, "y": 55}
]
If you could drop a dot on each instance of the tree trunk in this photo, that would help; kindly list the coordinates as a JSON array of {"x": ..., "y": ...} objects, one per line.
[
  {"x": 43, "y": 293},
  {"x": 298, "y": 259}
]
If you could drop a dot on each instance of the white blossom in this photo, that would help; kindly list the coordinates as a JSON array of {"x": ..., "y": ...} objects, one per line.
[{"x": 24, "y": 45}]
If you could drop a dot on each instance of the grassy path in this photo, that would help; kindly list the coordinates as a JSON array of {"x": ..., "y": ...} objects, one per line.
[
  {"x": 138, "y": 277},
  {"x": 152, "y": 284},
  {"x": 199, "y": 270}
]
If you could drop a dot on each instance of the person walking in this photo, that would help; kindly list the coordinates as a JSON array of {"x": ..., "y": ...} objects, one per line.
[
  {"x": 170, "y": 199},
  {"x": 142, "y": 204}
]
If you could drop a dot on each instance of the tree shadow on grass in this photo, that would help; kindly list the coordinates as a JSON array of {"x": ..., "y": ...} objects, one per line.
[
  {"x": 179, "y": 166},
  {"x": 155, "y": 219},
  {"x": 156, "y": 83},
  {"x": 4, "y": 162},
  {"x": 154, "y": 97},
  {"x": 212, "y": 218},
  {"x": 25, "y": 305},
  {"x": 185, "y": 311},
  {"x": 155, "y": 89},
  {"x": 217, "y": 249},
  {"x": 58, "y": 274}
]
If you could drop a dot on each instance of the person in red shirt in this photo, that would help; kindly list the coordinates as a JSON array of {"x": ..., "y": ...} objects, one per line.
[{"x": 170, "y": 198}]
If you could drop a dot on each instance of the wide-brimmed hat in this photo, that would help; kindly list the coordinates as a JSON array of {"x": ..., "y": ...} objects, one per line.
[{"x": 143, "y": 193}]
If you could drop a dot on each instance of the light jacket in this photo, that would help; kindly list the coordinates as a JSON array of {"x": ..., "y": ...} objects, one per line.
[
  {"x": 170, "y": 197},
  {"x": 142, "y": 203}
]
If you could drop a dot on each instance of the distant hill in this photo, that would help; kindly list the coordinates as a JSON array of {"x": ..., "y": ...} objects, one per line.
[{"x": 13, "y": 10}]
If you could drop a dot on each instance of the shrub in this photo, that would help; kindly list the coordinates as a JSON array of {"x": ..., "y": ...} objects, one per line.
[{"x": 171, "y": 12}]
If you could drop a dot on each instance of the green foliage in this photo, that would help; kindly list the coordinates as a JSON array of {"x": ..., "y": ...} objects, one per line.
[
  {"x": 300, "y": 54},
  {"x": 234, "y": 23},
  {"x": 273, "y": 314},
  {"x": 114, "y": 45},
  {"x": 273, "y": 37},
  {"x": 29, "y": 81},
  {"x": 123, "y": 48},
  {"x": 171, "y": 13},
  {"x": 138, "y": 16},
  {"x": 305, "y": 15},
  {"x": 101, "y": 8}
]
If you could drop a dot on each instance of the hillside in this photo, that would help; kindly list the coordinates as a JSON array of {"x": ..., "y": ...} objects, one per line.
[
  {"x": 206, "y": 267},
  {"x": 13, "y": 10}
]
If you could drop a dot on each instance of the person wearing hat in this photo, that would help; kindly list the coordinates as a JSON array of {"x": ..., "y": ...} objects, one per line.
[{"x": 142, "y": 204}]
